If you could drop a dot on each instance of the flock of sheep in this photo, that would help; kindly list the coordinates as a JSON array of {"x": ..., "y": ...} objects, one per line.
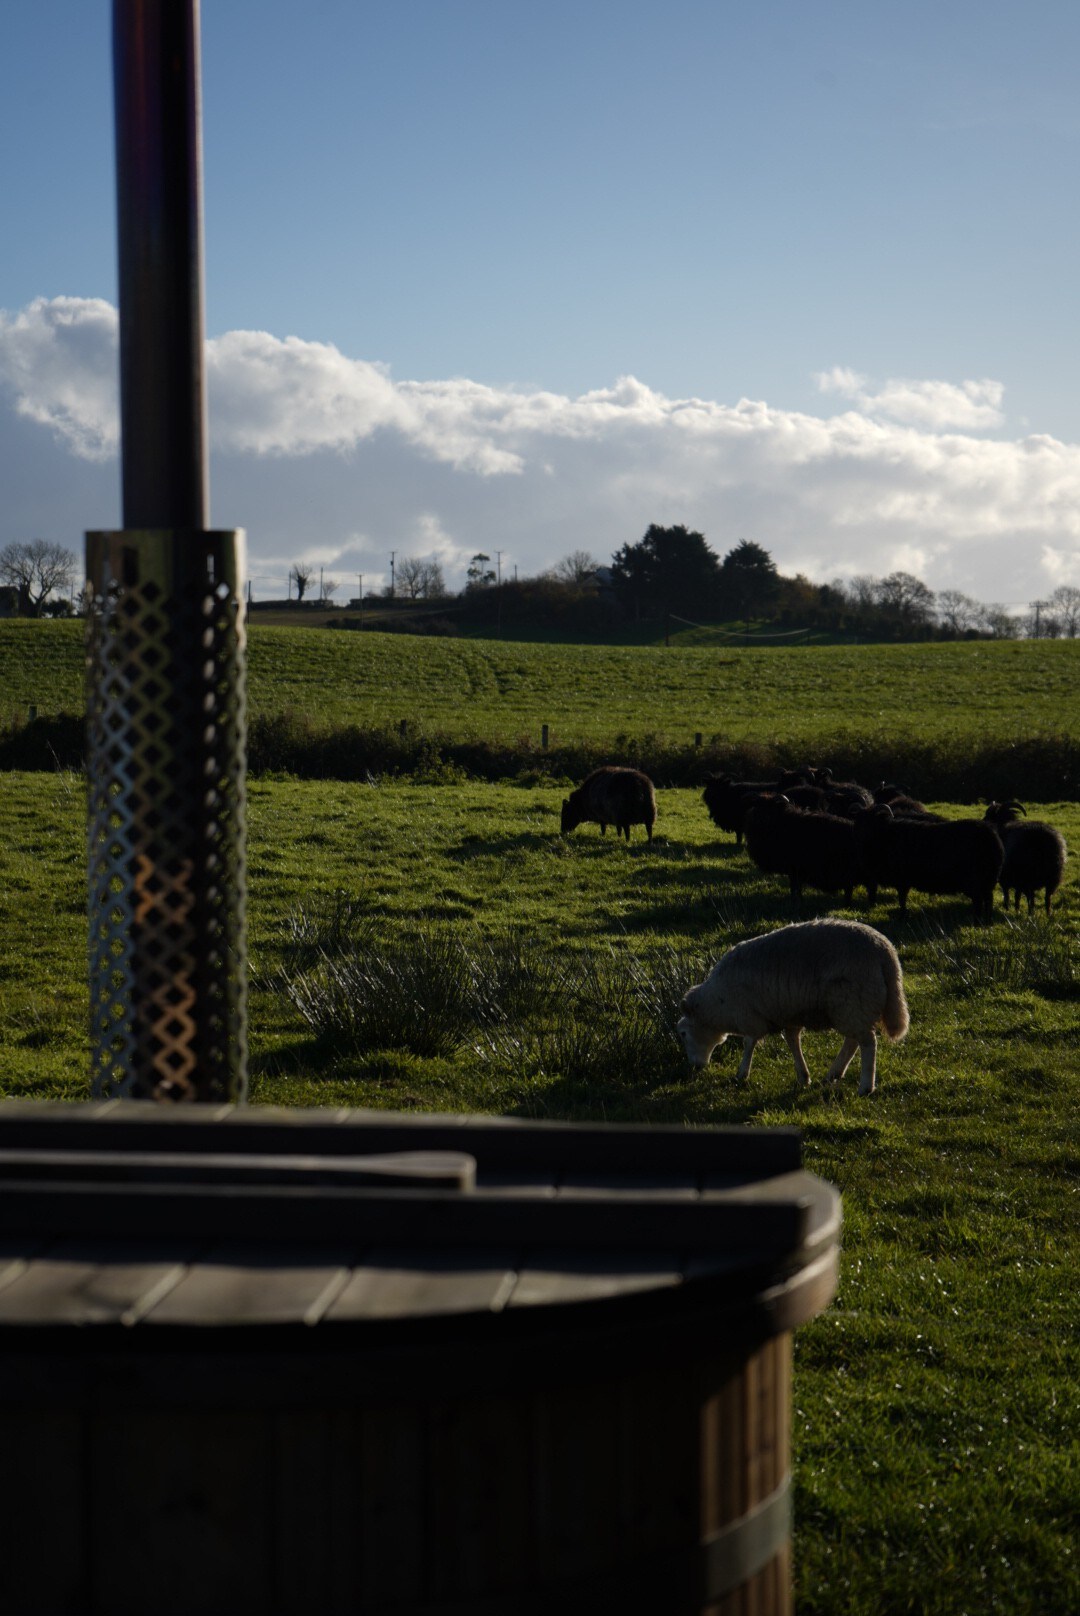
[{"x": 833, "y": 836}]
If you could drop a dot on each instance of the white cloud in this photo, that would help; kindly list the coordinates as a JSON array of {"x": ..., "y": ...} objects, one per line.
[
  {"x": 58, "y": 359},
  {"x": 329, "y": 459},
  {"x": 934, "y": 405}
]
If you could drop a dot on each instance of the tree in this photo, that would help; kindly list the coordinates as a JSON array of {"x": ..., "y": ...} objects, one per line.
[
  {"x": 479, "y": 573},
  {"x": 420, "y": 579},
  {"x": 999, "y": 622},
  {"x": 671, "y": 569},
  {"x": 903, "y": 595},
  {"x": 36, "y": 570},
  {"x": 302, "y": 575},
  {"x": 860, "y": 591},
  {"x": 957, "y": 612},
  {"x": 749, "y": 581},
  {"x": 575, "y": 568},
  {"x": 1065, "y": 602},
  {"x": 329, "y": 586}
]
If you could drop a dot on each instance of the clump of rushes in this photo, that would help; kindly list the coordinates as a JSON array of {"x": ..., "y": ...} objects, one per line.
[{"x": 431, "y": 990}]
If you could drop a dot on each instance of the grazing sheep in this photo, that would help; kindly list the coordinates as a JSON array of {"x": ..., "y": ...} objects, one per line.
[
  {"x": 1035, "y": 854},
  {"x": 612, "y": 796},
  {"x": 726, "y": 799},
  {"x": 947, "y": 856},
  {"x": 820, "y": 974},
  {"x": 811, "y": 849}
]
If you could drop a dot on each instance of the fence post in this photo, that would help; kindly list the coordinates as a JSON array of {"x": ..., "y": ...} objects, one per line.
[
  {"x": 544, "y": 737},
  {"x": 697, "y": 737},
  {"x": 403, "y": 727}
]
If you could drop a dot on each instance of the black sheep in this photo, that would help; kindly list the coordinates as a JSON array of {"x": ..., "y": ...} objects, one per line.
[
  {"x": 1035, "y": 854},
  {"x": 726, "y": 801},
  {"x": 950, "y": 856},
  {"x": 812, "y": 849},
  {"x": 612, "y": 796}
]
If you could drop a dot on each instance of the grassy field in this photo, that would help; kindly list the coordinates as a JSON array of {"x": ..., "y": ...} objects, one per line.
[
  {"x": 937, "y": 1403},
  {"x": 499, "y": 690}
]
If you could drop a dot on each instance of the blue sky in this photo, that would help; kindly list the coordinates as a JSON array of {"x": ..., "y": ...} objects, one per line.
[{"x": 533, "y": 276}]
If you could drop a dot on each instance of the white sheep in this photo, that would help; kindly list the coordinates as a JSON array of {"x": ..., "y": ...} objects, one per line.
[{"x": 822, "y": 973}]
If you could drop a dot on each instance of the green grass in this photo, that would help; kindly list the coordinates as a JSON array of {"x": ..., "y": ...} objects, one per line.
[
  {"x": 937, "y": 1402},
  {"x": 500, "y": 690}
]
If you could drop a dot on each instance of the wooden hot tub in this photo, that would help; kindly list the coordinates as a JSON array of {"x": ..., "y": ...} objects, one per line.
[{"x": 317, "y": 1362}]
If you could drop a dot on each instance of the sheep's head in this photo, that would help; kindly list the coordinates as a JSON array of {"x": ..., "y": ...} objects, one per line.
[
  {"x": 1005, "y": 813},
  {"x": 570, "y": 820},
  {"x": 698, "y": 1039}
]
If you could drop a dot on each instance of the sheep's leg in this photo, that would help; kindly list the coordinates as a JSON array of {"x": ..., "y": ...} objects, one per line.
[
  {"x": 748, "y": 1046},
  {"x": 843, "y": 1059},
  {"x": 868, "y": 1067},
  {"x": 793, "y": 1039}
]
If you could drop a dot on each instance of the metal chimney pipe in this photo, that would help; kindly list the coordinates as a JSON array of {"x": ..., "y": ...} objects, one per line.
[
  {"x": 166, "y": 632},
  {"x": 159, "y": 218}
]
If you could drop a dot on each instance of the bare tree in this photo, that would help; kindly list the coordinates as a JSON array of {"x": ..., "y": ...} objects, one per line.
[
  {"x": 302, "y": 575},
  {"x": 420, "y": 579},
  {"x": 957, "y": 612},
  {"x": 860, "y": 590},
  {"x": 1066, "y": 604},
  {"x": 329, "y": 585},
  {"x": 36, "y": 570},
  {"x": 1000, "y": 622},
  {"x": 575, "y": 568}
]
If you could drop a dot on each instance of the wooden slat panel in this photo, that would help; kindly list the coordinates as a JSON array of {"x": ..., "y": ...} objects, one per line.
[
  {"x": 508, "y": 1181},
  {"x": 481, "y": 1488},
  {"x": 239, "y": 1284},
  {"x": 182, "y": 1513},
  {"x": 14, "y": 1256},
  {"x": 599, "y": 1185},
  {"x": 305, "y": 1569},
  {"x": 499, "y": 1141},
  {"x": 575, "y": 1464},
  {"x": 43, "y": 1567},
  {"x": 444, "y": 1219},
  {"x": 413, "y": 1169},
  {"x": 548, "y": 1277},
  {"x": 388, "y": 1285},
  {"x": 83, "y": 1282},
  {"x": 388, "y": 1541}
]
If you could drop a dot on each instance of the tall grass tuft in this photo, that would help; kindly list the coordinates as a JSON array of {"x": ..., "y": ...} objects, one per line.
[
  {"x": 587, "y": 1017},
  {"x": 1026, "y": 954}
]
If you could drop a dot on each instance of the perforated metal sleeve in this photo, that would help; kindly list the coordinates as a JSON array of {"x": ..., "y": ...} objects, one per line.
[{"x": 166, "y": 709}]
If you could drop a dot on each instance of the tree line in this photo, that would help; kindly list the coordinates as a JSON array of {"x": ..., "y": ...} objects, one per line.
[
  {"x": 673, "y": 573},
  {"x": 670, "y": 573}
]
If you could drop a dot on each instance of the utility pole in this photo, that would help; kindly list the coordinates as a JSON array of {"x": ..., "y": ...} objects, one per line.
[
  {"x": 1038, "y": 606},
  {"x": 393, "y": 553},
  {"x": 498, "y": 565}
]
